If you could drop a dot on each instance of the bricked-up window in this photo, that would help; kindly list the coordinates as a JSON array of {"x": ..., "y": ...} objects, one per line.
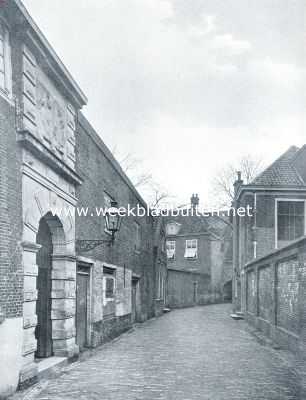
[
  {"x": 109, "y": 282},
  {"x": 290, "y": 219},
  {"x": 170, "y": 249},
  {"x": 137, "y": 230},
  {"x": 191, "y": 250},
  {"x": 109, "y": 287},
  {"x": 5, "y": 62}
]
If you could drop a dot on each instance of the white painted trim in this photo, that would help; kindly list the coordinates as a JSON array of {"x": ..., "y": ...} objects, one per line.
[
  {"x": 197, "y": 248},
  {"x": 111, "y": 266},
  {"x": 275, "y": 214},
  {"x": 85, "y": 260},
  {"x": 267, "y": 189}
]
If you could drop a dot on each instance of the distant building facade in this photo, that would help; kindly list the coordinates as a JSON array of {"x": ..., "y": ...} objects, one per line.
[{"x": 196, "y": 250}]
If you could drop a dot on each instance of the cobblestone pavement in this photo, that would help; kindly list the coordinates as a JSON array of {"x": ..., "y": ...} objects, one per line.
[{"x": 196, "y": 353}]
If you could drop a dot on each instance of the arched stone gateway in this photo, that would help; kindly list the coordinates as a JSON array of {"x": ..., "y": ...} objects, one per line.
[{"x": 49, "y": 276}]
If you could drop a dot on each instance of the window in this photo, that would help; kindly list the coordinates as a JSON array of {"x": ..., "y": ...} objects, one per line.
[
  {"x": 5, "y": 62},
  {"x": 191, "y": 250},
  {"x": 108, "y": 282},
  {"x": 170, "y": 249},
  {"x": 163, "y": 245},
  {"x": 137, "y": 236},
  {"x": 290, "y": 219},
  {"x": 109, "y": 287},
  {"x": 173, "y": 228}
]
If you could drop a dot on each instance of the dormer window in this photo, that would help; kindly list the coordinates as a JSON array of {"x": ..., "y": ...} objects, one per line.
[
  {"x": 173, "y": 228},
  {"x": 191, "y": 250},
  {"x": 5, "y": 62}
]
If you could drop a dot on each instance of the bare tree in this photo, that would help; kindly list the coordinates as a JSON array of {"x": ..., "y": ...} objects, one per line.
[
  {"x": 222, "y": 184},
  {"x": 154, "y": 194},
  {"x": 159, "y": 195}
]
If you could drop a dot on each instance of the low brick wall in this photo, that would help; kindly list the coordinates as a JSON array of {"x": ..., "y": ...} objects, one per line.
[
  {"x": 275, "y": 295},
  {"x": 109, "y": 328},
  {"x": 182, "y": 291}
]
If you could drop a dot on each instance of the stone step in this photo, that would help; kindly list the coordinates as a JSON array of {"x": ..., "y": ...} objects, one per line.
[
  {"x": 236, "y": 316},
  {"x": 240, "y": 313}
]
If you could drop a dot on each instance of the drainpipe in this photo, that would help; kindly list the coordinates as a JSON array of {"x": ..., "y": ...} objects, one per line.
[
  {"x": 236, "y": 266},
  {"x": 255, "y": 227}
]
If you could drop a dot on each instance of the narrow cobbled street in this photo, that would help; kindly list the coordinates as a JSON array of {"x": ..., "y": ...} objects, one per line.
[{"x": 195, "y": 353}]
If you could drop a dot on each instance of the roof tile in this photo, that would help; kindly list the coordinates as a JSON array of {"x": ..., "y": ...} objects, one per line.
[{"x": 281, "y": 172}]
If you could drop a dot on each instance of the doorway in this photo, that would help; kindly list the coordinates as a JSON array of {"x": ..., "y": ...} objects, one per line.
[
  {"x": 195, "y": 292},
  {"x": 135, "y": 295},
  {"x": 43, "y": 331},
  {"x": 82, "y": 292}
]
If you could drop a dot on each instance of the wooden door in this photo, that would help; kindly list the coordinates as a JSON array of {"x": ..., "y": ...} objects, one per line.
[
  {"x": 195, "y": 292},
  {"x": 134, "y": 295},
  {"x": 43, "y": 331},
  {"x": 82, "y": 286}
]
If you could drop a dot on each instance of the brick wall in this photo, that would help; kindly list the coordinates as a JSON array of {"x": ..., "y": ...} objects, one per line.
[
  {"x": 276, "y": 305},
  {"x": 265, "y": 293},
  {"x": 251, "y": 292},
  {"x": 265, "y": 225},
  {"x": 11, "y": 283},
  {"x": 203, "y": 261},
  {"x": 102, "y": 174},
  {"x": 181, "y": 289},
  {"x": 287, "y": 290}
]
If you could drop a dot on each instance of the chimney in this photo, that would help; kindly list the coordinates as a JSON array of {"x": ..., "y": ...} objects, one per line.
[
  {"x": 238, "y": 182},
  {"x": 194, "y": 201}
]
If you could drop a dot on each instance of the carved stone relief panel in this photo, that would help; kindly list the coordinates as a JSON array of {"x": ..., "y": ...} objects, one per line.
[{"x": 46, "y": 112}]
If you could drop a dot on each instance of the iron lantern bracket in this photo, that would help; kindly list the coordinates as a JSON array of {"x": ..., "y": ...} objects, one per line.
[{"x": 83, "y": 245}]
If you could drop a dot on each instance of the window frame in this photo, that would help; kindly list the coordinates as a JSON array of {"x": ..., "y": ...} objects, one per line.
[
  {"x": 196, "y": 247},
  {"x": 174, "y": 248},
  {"x": 109, "y": 273},
  {"x": 107, "y": 279},
  {"x": 279, "y": 200},
  {"x": 6, "y": 90}
]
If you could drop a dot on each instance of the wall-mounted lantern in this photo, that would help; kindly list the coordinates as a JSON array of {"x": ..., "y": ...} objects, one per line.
[{"x": 112, "y": 223}]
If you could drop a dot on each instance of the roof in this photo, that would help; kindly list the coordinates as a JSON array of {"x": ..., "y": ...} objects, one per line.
[
  {"x": 281, "y": 172},
  {"x": 197, "y": 224},
  {"x": 191, "y": 224}
]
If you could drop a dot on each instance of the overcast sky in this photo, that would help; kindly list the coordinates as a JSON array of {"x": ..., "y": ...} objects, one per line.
[{"x": 186, "y": 85}]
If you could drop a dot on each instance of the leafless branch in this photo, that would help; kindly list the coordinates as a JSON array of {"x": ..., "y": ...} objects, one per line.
[{"x": 223, "y": 188}]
